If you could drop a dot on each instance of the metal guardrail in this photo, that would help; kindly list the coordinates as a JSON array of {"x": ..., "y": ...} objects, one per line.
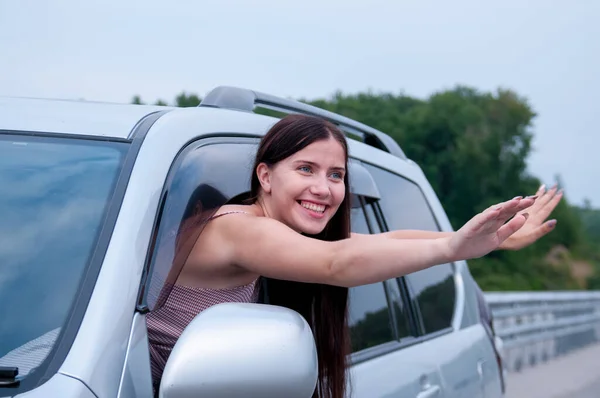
[{"x": 535, "y": 327}]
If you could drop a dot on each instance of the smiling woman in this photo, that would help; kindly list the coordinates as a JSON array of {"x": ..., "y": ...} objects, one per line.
[
  {"x": 299, "y": 180},
  {"x": 55, "y": 192}
]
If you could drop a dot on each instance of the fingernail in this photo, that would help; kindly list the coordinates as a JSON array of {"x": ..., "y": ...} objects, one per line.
[
  {"x": 498, "y": 208},
  {"x": 517, "y": 197},
  {"x": 542, "y": 187},
  {"x": 532, "y": 197},
  {"x": 526, "y": 215},
  {"x": 561, "y": 192},
  {"x": 551, "y": 223}
]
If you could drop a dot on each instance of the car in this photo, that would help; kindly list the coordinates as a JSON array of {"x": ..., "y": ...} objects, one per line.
[{"x": 93, "y": 195}]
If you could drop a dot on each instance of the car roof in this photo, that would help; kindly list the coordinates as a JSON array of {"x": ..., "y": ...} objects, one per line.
[{"x": 78, "y": 117}]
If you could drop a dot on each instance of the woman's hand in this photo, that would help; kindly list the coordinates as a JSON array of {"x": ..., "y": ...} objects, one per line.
[
  {"x": 536, "y": 225},
  {"x": 488, "y": 230}
]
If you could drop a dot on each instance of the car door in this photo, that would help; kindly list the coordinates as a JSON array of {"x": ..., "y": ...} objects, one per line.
[
  {"x": 385, "y": 351},
  {"x": 432, "y": 292}
]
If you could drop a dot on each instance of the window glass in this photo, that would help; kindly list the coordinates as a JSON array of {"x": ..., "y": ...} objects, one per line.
[
  {"x": 369, "y": 316},
  {"x": 205, "y": 178},
  {"x": 55, "y": 193},
  {"x": 405, "y": 207}
]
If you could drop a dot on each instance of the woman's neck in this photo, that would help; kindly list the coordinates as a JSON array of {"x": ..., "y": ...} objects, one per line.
[{"x": 266, "y": 211}]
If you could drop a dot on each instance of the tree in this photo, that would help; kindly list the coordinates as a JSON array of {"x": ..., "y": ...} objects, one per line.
[{"x": 184, "y": 100}]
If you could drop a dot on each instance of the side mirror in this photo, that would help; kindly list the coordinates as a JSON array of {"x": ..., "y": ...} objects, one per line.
[{"x": 243, "y": 350}]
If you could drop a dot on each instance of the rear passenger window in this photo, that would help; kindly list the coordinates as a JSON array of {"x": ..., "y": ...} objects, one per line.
[
  {"x": 368, "y": 314},
  {"x": 405, "y": 207}
]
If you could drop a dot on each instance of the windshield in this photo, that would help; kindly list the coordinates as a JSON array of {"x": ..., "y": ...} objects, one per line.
[{"x": 54, "y": 193}]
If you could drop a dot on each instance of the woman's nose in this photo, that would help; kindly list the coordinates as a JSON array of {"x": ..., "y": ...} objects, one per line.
[{"x": 320, "y": 187}]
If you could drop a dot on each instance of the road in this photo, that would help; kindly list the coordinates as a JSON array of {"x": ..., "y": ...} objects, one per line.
[{"x": 576, "y": 375}]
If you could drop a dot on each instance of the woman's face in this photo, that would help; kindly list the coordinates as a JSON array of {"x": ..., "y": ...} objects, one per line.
[{"x": 305, "y": 190}]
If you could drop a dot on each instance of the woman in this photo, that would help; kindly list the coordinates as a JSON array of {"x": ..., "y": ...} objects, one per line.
[{"x": 295, "y": 231}]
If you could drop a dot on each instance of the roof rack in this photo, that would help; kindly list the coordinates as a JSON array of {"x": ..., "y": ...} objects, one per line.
[{"x": 246, "y": 100}]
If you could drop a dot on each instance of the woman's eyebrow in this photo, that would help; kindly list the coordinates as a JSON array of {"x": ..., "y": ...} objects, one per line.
[{"x": 336, "y": 168}]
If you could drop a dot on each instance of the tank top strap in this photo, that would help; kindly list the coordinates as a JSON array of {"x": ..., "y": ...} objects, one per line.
[{"x": 226, "y": 213}]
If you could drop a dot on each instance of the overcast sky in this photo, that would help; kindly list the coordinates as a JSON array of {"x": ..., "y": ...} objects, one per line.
[{"x": 548, "y": 52}]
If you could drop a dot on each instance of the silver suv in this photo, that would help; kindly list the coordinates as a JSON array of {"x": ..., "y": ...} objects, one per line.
[{"x": 92, "y": 197}]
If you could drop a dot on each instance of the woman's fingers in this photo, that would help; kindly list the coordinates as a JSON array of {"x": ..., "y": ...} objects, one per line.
[
  {"x": 496, "y": 216},
  {"x": 548, "y": 195},
  {"x": 511, "y": 227},
  {"x": 548, "y": 207},
  {"x": 514, "y": 206},
  {"x": 482, "y": 220}
]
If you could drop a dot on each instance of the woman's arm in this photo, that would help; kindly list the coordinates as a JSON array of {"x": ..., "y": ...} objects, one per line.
[
  {"x": 408, "y": 234},
  {"x": 269, "y": 248}
]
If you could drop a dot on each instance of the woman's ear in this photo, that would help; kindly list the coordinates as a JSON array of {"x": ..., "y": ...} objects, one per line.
[{"x": 264, "y": 177}]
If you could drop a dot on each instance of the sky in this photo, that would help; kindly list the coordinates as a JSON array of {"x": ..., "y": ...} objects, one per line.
[{"x": 545, "y": 50}]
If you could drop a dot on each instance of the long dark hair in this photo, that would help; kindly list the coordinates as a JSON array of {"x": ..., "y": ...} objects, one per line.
[{"x": 323, "y": 306}]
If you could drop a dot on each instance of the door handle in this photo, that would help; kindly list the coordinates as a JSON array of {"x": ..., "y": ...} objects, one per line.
[{"x": 429, "y": 392}]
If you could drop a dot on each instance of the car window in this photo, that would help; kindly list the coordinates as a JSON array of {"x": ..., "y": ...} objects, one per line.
[
  {"x": 368, "y": 313},
  {"x": 55, "y": 193},
  {"x": 405, "y": 207},
  {"x": 204, "y": 178}
]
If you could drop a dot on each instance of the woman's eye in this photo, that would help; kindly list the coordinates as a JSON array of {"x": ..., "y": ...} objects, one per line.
[
  {"x": 305, "y": 169},
  {"x": 337, "y": 176}
]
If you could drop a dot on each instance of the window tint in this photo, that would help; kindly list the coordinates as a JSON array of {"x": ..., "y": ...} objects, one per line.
[
  {"x": 369, "y": 316},
  {"x": 405, "y": 207}
]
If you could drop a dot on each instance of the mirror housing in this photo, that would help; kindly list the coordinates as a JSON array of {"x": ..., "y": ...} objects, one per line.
[{"x": 243, "y": 350}]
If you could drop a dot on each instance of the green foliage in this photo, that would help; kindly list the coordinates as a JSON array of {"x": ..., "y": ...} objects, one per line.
[
  {"x": 473, "y": 147},
  {"x": 184, "y": 100},
  {"x": 590, "y": 219}
]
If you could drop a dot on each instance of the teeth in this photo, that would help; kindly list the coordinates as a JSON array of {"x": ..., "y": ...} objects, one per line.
[{"x": 313, "y": 207}]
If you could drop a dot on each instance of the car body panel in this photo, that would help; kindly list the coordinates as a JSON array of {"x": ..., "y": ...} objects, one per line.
[{"x": 59, "y": 385}]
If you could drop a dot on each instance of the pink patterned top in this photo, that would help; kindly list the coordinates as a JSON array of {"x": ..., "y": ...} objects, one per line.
[{"x": 166, "y": 324}]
